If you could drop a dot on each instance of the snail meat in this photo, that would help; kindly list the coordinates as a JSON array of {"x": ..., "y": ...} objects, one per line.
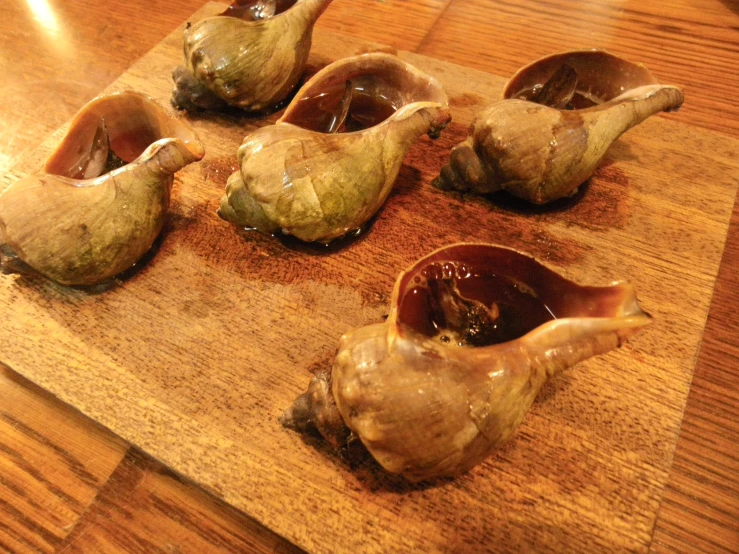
[
  {"x": 474, "y": 332},
  {"x": 100, "y": 158},
  {"x": 328, "y": 164},
  {"x": 101, "y": 199},
  {"x": 558, "y": 91},
  {"x": 542, "y": 153}
]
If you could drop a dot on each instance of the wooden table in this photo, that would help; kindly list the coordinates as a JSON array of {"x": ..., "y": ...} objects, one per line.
[{"x": 67, "y": 484}]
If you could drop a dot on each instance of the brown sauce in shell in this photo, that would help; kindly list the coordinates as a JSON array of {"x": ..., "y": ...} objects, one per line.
[
  {"x": 460, "y": 307},
  {"x": 579, "y": 100},
  {"x": 318, "y": 113}
]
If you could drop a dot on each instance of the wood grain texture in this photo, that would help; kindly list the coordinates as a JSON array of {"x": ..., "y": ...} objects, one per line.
[
  {"x": 692, "y": 44},
  {"x": 589, "y": 466},
  {"x": 42, "y": 88},
  {"x": 700, "y": 510},
  {"x": 47, "y": 473},
  {"x": 383, "y": 22},
  {"x": 145, "y": 508},
  {"x": 68, "y": 485}
]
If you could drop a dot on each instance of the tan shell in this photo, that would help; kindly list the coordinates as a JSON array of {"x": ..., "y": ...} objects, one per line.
[
  {"x": 539, "y": 153},
  {"x": 319, "y": 186},
  {"x": 426, "y": 408},
  {"x": 83, "y": 231},
  {"x": 252, "y": 65}
]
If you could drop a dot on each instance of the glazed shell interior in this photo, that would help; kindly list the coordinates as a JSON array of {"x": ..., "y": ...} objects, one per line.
[
  {"x": 243, "y": 9},
  {"x": 478, "y": 270},
  {"x": 601, "y": 76},
  {"x": 383, "y": 80},
  {"x": 133, "y": 121}
]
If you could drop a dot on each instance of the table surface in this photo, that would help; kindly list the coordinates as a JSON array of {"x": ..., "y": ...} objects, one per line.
[{"x": 68, "y": 484}]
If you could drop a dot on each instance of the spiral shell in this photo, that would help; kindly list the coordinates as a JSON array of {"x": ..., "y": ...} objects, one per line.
[
  {"x": 540, "y": 153},
  {"x": 474, "y": 332},
  {"x": 298, "y": 178},
  {"x": 249, "y": 64}
]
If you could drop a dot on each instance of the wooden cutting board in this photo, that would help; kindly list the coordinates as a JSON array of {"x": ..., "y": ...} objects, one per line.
[{"x": 194, "y": 354}]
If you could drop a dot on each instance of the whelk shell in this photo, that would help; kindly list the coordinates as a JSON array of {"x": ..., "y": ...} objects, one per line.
[
  {"x": 540, "y": 153},
  {"x": 101, "y": 199},
  {"x": 328, "y": 164},
  {"x": 246, "y": 57},
  {"x": 474, "y": 332}
]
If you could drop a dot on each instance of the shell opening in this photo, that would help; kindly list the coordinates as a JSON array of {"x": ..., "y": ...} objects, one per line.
[
  {"x": 380, "y": 85},
  {"x": 461, "y": 305},
  {"x": 479, "y": 295},
  {"x": 258, "y": 10},
  {"x": 370, "y": 104},
  {"x": 601, "y": 76},
  {"x": 117, "y": 129}
]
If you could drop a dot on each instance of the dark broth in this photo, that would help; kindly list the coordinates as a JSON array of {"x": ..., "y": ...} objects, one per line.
[
  {"x": 579, "y": 100},
  {"x": 318, "y": 112},
  {"x": 516, "y": 308}
]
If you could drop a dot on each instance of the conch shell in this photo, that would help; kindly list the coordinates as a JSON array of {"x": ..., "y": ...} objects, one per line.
[
  {"x": 251, "y": 56},
  {"x": 103, "y": 194},
  {"x": 474, "y": 332},
  {"x": 327, "y": 165},
  {"x": 541, "y": 153}
]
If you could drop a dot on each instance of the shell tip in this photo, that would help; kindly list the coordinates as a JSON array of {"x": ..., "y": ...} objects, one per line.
[
  {"x": 297, "y": 417},
  {"x": 441, "y": 183},
  {"x": 191, "y": 95},
  {"x": 465, "y": 172},
  {"x": 315, "y": 413},
  {"x": 11, "y": 263}
]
